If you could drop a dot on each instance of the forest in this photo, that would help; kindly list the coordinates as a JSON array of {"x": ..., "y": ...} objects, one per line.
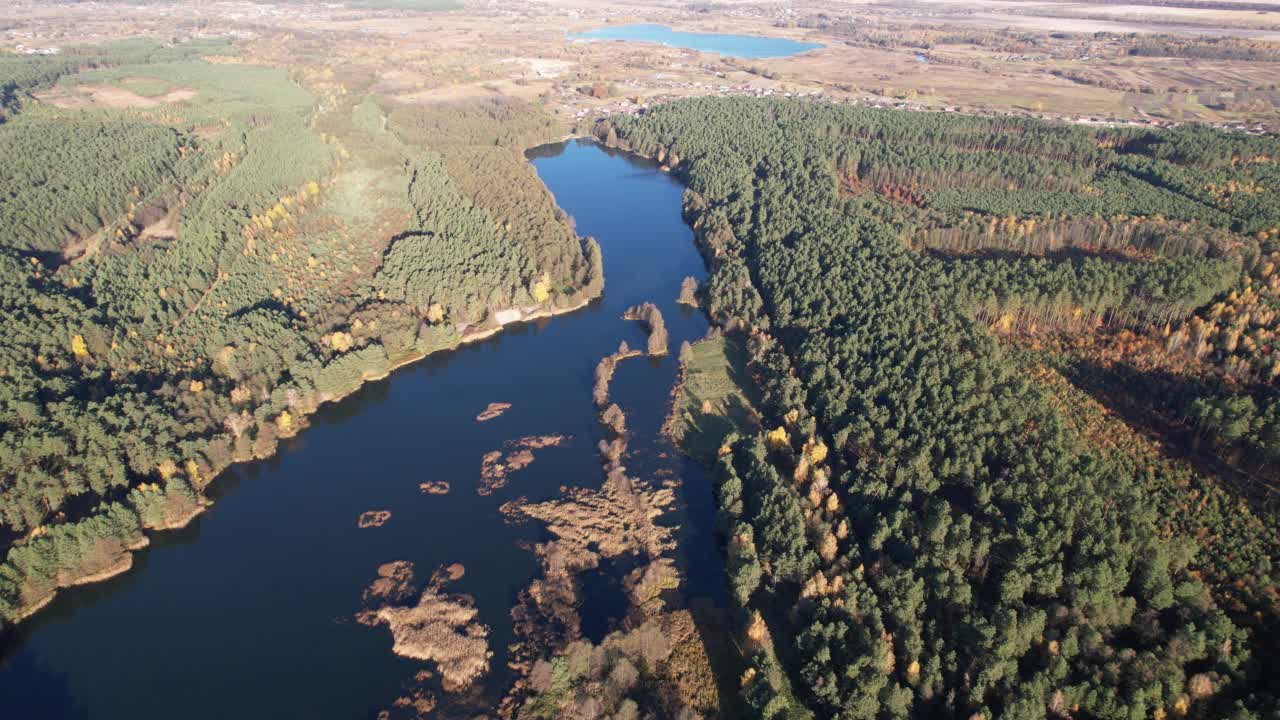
[
  {"x": 182, "y": 283},
  {"x": 927, "y": 525}
]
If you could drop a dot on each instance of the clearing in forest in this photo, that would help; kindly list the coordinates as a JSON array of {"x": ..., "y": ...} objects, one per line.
[
  {"x": 715, "y": 397},
  {"x": 108, "y": 96}
]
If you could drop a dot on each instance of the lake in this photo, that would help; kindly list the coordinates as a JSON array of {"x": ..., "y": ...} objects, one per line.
[
  {"x": 741, "y": 46},
  {"x": 248, "y": 612}
]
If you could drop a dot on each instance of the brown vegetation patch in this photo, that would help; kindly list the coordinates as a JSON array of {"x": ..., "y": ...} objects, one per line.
[
  {"x": 614, "y": 419},
  {"x": 660, "y": 668},
  {"x": 646, "y": 584},
  {"x": 373, "y": 518},
  {"x": 394, "y": 584},
  {"x": 496, "y": 465},
  {"x": 688, "y": 292},
  {"x": 416, "y": 703},
  {"x": 495, "y": 409},
  {"x": 651, "y": 317},
  {"x": 519, "y": 460},
  {"x": 604, "y": 373},
  {"x": 441, "y": 628},
  {"x": 107, "y": 96},
  {"x": 545, "y": 616},
  {"x": 454, "y": 571},
  {"x": 690, "y": 681},
  {"x": 434, "y": 487},
  {"x": 588, "y": 525},
  {"x": 159, "y": 223},
  {"x": 537, "y": 442},
  {"x": 493, "y": 473},
  {"x": 612, "y": 521}
]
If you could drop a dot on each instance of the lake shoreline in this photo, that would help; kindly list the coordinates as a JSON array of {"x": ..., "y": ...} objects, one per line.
[
  {"x": 466, "y": 338},
  {"x": 25, "y": 613},
  {"x": 119, "y": 568},
  {"x": 280, "y": 560}
]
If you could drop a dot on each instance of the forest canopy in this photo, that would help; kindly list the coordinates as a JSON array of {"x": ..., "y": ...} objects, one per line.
[
  {"x": 185, "y": 281},
  {"x": 927, "y": 535}
]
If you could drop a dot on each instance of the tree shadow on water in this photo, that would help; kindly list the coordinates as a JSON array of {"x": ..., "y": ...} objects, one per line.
[{"x": 34, "y": 691}]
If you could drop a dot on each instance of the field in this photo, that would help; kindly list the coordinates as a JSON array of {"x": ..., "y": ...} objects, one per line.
[
  {"x": 126, "y": 95},
  {"x": 715, "y": 397},
  {"x": 1069, "y": 60}
]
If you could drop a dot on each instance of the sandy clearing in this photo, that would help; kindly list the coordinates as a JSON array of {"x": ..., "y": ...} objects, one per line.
[
  {"x": 542, "y": 67},
  {"x": 475, "y": 91},
  {"x": 90, "y": 96}
]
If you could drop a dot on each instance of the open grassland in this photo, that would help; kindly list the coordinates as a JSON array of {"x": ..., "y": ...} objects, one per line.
[
  {"x": 715, "y": 398},
  {"x": 978, "y": 55}
]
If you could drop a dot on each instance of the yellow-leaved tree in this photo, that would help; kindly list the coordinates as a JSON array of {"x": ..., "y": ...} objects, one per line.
[
  {"x": 828, "y": 548},
  {"x": 78, "y": 348},
  {"x": 816, "y": 451},
  {"x": 166, "y": 468},
  {"x": 542, "y": 289},
  {"x": 777, "y": 438}
]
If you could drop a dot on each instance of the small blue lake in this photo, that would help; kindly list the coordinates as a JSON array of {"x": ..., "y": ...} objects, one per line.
[{"x": 742, "y": 46}]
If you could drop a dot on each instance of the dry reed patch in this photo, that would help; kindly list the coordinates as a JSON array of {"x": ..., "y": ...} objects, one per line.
[
  {"x": 689, "y": 680},
  {"x": 394, "y": 584},
  {"x": 494, "y": 410},
  {"x": 604, "y": 373},
  {"x": 442, "y": 628},
  {"x": 373, "y": 518},
  {"x": 517, "y": 454},
  {"x": 416, "y": 703},
  {"x": 587, "y": 525},
  {"x": 616, "y": 519}
]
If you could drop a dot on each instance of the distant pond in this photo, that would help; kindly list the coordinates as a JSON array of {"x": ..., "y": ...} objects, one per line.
[{"x": 742, "y": 46}]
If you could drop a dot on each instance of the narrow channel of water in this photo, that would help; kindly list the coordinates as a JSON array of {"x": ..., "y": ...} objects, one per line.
[{"x": 248, "y": 612}]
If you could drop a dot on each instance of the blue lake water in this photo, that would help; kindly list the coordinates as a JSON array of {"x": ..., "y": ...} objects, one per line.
[
  {"x": 742, "y": 46},
  {"x": 248, "y": 612}
]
